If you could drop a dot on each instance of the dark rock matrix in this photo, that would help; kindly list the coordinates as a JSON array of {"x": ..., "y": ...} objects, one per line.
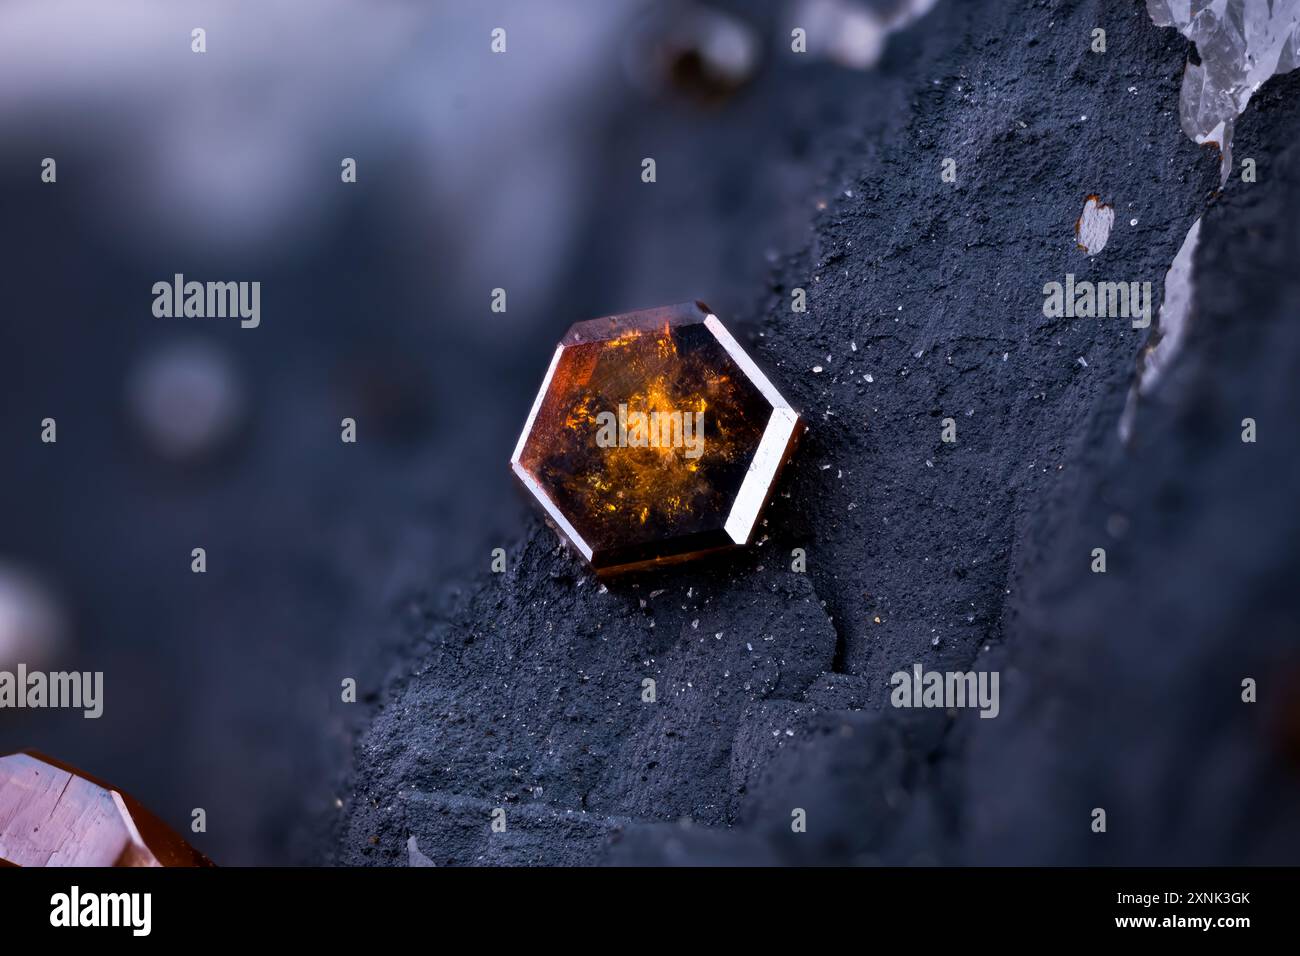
[{"x": 1120, "y": 691}]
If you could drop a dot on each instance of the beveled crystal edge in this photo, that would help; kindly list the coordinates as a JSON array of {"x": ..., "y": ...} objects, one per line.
[
  {"x": 555, "y": 514},
  {"x": 537, "y": 406},
  {"x": 773, "y": 449},
  {"x": 605, "y": 327},
  {"x": 531, "y": 483},
  {"x": 747, "y": 364}
]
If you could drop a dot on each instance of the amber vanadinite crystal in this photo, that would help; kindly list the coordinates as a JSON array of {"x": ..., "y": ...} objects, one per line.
[
  {"x": 654, "y": 438},
  {"x": 54, "y": 815}
]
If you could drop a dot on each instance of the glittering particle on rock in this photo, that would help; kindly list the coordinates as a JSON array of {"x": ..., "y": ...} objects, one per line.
[
  {"x": 1092, "y": 229},
  {"x": 608, "y": 453}
]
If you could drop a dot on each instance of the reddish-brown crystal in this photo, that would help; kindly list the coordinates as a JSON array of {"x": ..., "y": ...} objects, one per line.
[
  {"x": 691, "y": 476},
  {"x": 52, "y": 814}
]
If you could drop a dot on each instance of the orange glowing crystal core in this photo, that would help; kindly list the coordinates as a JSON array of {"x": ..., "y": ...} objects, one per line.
[
  {"x": 52, "y": 814},
  {"x": 654, "y": 438}
]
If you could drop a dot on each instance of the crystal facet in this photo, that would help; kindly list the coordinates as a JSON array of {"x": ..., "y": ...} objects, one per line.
[
  {"x": 654, "y": 438},
  {"x": 54, "y": 815},
  {"x": 1240, "y": 44}
]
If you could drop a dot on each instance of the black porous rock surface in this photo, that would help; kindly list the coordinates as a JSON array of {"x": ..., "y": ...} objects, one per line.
[
  {"x": 1119, "y": 691},
  {"x": 549, "y": 683},
  {"x": 1128, "y": 690}
]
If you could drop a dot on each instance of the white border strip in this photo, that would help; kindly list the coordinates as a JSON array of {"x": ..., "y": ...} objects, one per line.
[
  {"x": 537, "y": 406},
  {"x": 762, "y": 470},
  {"x": 517, "y": 466},
  {"x": 741, "y": 358},
  {"x": 771, "y": 448}
]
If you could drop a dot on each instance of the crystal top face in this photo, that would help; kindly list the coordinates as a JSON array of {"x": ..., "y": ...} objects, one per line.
[
  {"x": 54, "y": 815},
  {"x": 654, "y": 438}
]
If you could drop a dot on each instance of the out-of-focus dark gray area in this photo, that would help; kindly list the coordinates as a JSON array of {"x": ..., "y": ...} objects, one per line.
[{"x": 1120, "y": 691}]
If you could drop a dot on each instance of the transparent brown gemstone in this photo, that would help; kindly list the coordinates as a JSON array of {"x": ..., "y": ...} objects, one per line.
[
  {"x": 52, "y": 814},
  {"x": 689, "y": 477}
]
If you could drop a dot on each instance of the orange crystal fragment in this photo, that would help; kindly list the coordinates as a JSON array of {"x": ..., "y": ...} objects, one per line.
[
  {"x": 54, "y": 815},
  {"x": 654, "y": 438}
]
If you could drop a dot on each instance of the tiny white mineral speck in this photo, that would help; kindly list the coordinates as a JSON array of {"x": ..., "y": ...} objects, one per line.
[{"x": 1093, "y": 227}]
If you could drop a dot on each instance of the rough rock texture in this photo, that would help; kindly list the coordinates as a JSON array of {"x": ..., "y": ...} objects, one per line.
[
  {"x": 1133, "y": 679},
  {"x": 1119, "y": 690}
]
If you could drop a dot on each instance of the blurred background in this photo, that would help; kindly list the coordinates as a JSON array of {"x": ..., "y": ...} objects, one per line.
[{"x": 475, "y": 171}]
